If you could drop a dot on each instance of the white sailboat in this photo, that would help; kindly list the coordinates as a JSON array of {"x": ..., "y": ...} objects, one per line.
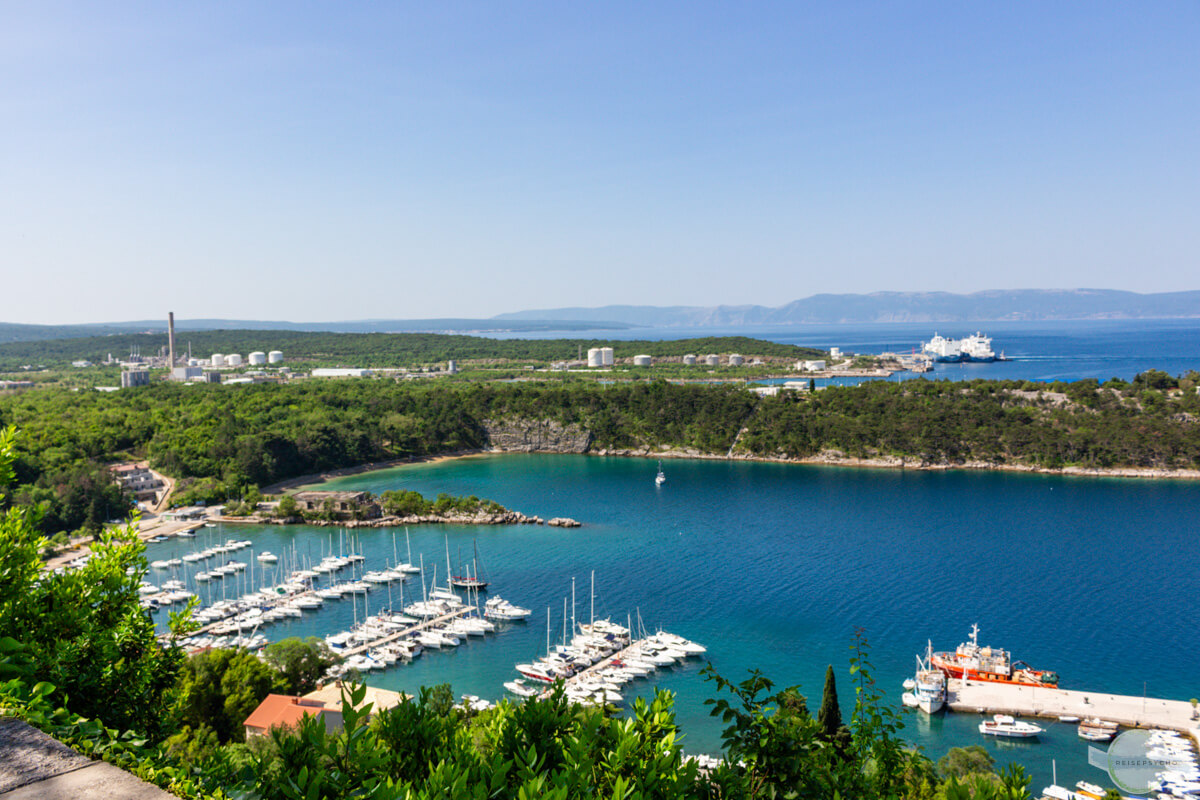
[{"x": 660, "y": 478}]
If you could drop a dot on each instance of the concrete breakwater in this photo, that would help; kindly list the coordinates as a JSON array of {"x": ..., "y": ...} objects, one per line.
[{"x": 1044, "y": 701}]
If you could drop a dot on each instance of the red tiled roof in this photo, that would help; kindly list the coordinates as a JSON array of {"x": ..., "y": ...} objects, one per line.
[{"x": 281, "y": 710}]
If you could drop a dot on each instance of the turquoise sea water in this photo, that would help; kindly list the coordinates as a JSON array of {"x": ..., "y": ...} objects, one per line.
[{"x": 772, "y": 567}]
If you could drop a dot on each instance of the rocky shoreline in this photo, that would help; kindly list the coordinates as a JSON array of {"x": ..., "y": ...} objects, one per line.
[
  {"x": 835, "y": 459},
  {"x": 389, "y": 521}
]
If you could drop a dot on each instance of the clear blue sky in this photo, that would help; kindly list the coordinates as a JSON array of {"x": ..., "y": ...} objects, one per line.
[{"x": 332, "y": 161}]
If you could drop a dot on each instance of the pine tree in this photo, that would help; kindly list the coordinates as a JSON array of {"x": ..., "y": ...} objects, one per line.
[{"x": 830, "y": 716}]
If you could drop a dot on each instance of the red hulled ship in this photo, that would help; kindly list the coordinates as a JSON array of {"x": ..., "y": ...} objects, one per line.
[{"x": 989, "y": 664}]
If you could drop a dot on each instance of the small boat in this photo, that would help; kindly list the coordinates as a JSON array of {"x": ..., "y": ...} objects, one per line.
[
  {"x": 661, "y": 477},
  {"x": 267, "y": 557},
  {"x": 1090, "y": 791},
  {"x": 519, "y": 688},
  {"x": 1097, "y": 730},
  {"x": 1068, "y": 718},
  {"x": 1004, "y": 725}
]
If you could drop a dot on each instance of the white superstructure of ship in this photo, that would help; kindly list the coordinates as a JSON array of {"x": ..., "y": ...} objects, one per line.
[{"x": 976, "y": 347}]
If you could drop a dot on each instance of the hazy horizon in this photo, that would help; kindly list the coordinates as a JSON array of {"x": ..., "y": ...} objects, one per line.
[{"x": 331, "y": 163}]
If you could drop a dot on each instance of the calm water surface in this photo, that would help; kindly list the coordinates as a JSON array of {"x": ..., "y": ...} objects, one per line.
[{"x": 773, "y": 566}]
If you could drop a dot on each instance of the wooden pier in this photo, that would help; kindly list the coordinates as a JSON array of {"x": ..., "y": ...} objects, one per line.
[{"x": 1041, "y": 701}]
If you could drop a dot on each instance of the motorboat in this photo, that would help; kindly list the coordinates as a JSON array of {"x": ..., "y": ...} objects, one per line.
[
  {"x": 520, "y": 688},
  {"x": 1097, "y": 730},
  {"x": 1006, "y": 726}
]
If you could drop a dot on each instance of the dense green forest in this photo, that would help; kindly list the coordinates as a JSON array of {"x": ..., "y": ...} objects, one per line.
[
  {"x": 377, "y": 349},
  {"x": 223, "y": 439}
]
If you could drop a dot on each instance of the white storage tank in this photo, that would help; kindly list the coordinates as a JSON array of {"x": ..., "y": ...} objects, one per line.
[
  {"x": 642, "y": 361},
  {"x": 258, "y": 358},
  {"x": 275, "y": 357},
  {"x": 233, "y": 360},
  {"x": 595, "y": 357},
  {"x": 735, "y": 360},
  {"x": 712, "y": 360},
  {"x": 606, "y": 355},
  {"x": 690, "y": 360},
  {"x": 218, "y": 360}
]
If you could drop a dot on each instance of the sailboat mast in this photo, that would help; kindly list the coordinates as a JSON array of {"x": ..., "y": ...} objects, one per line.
[
  {"x": 592, "y": 611},
  {"x": 572, "y": 607}
]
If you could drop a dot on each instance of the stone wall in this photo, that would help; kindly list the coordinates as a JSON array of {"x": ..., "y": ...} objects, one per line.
[{"x": 536, "y": 436}]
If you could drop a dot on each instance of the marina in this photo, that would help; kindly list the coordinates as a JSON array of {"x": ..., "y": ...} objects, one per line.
[{"x": 763, "y": 564}]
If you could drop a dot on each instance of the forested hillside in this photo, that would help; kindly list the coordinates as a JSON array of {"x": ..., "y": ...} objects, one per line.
[{"x": 231, "y": 437}]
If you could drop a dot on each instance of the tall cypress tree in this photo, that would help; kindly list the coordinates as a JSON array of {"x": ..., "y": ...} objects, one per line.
[{"x": 830, "y": 716}]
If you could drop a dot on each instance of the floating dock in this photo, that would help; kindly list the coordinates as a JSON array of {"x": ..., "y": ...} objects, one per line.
[
  {"x": 432, "y": 622},
  {"x": 1041, "y": 701}
]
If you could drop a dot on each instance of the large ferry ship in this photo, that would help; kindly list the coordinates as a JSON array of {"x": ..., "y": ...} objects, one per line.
[
  {"x": 989, "y": 664},
  {"x": 976, "y": 347}
]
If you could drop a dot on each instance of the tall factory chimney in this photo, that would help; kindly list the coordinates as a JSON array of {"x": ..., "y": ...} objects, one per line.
[{"x": 171, "y": 339}]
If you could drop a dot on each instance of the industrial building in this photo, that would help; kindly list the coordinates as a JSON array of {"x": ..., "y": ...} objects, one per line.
[{"x": 135, "y": 377}]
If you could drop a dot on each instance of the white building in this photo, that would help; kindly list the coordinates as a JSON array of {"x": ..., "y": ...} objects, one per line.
[
  {"x": 233, "y": 360},
  {"x": 595, "y": 357},
  {"x": 835, "y": 352},
  {"x": 712, "y": 360},
  {"x": 218, "y": 360},
  {"x": 811, "y": 366}
]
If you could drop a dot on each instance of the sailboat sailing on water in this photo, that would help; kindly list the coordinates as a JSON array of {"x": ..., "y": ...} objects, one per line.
[{"x": 660, "y": 478}]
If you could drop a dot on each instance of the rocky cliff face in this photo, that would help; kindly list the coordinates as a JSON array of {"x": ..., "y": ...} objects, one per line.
[{"x": 536, "y": 436}]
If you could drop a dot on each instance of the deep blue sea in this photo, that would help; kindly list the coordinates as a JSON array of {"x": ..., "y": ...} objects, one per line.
[
  {"x": 773, "y": 566},
  {"x": 1040, "y": 351}
]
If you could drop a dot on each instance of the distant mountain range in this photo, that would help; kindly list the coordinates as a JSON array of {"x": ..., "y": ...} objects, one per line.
[
  {"x": 820, "y": 309},
  {"x": 831, "y": 309},
  {"x": 14, "y": 332}
]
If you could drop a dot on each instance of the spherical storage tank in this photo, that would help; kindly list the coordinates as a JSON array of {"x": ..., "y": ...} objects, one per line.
[
  {"x": 218, "y": 360},
  {"x": 642, "y": 361},
  {"x": 258, "y": 358},
  {"x": 275, "y": 357},
  {"x": 233, "y": 360},
  {"x": 595, "y": 357},
  {"x": 689, "y": 359}
]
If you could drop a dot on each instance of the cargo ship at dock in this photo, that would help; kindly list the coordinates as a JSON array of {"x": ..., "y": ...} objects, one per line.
[{"x": 989, "y": 664}]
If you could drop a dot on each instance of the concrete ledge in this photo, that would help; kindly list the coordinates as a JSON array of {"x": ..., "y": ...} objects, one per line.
[{"x": 34, "y": 765}]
